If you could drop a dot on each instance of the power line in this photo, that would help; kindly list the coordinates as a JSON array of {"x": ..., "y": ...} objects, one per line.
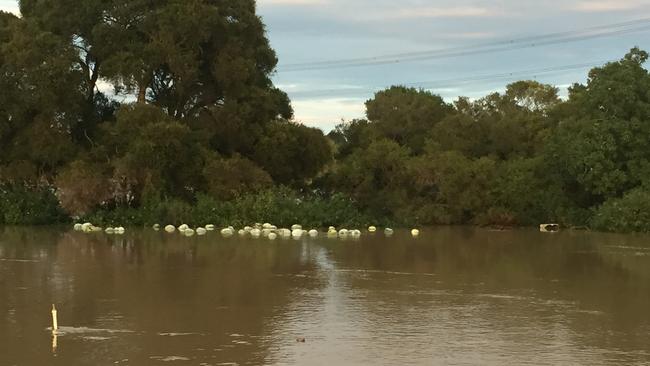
[
  {"x": 452, "y": 81},
  {"x": 610, "y": 30}
]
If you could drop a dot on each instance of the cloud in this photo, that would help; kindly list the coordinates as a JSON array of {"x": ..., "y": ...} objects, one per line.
[
  {"x": 451, "y": 12},
  {"x": 9, "y": 6},
  {"x": 327, "y": 113},
  {"x": 608, "y": 5}
]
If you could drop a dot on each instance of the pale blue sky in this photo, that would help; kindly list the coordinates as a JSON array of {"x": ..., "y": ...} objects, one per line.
[{"x": 318, "y": 30}]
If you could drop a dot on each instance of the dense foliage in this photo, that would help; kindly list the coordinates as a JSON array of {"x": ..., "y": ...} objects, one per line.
[
  {"x": 521, "y": 157},
  {"x": 209, "y": 138}
]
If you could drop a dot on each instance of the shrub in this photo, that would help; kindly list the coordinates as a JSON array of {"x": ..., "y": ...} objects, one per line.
[
  {"x": 630, "y": 213},
  {"x": 21, "y": 205}
]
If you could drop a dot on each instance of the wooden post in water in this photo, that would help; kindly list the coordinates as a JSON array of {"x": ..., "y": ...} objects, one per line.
[
  {"x": 54, "y": 342},
  {"x": 55, "y": 321}
]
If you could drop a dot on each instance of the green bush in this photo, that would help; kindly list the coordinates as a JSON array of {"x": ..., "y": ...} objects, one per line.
[
  {"x": 281, "y": 206},
  {"x": 29, "y": 206},
  {"x": 631, "y": 213}
]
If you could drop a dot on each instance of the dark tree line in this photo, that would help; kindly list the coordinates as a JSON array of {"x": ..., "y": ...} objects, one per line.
[
  {"x": 521, "y": 157},
  {"x": 206, "y": 126},
  {"x": 206, "y": 115}
]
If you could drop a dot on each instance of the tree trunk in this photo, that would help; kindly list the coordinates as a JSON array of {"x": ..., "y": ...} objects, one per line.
[{"x": 142, "y": 95}]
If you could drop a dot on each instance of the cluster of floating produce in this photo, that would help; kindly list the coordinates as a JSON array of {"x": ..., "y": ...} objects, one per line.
[
  {"x": 90, "y": 228},
  {"x": 272, "y": 232},
  {"x": 266, "y": 230}
]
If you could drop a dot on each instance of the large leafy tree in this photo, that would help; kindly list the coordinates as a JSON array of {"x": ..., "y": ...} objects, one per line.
[
  {"x": 604, "y": 151},
  {"x": 406, "y": 115},
  {"x": 39, "y": 97}
]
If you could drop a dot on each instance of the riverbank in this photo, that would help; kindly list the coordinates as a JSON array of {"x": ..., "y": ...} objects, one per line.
[{"x": 285, "y": 207}]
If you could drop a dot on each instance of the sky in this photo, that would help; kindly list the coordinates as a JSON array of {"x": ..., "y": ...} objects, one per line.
[{"x": 304, "y": 32}]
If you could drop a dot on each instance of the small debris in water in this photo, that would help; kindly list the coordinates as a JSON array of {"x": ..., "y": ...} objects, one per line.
[{"x": 300, "y": 340}]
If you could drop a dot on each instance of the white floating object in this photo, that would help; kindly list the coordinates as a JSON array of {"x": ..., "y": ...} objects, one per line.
[
  {"x": 78, "y": 227},
  {"x": 96, "y": 229},
  {"x": 273, "y": 236},
  {"x": 156, "y": 227},
  {"x": 285, "y": 233},
  {"x": 86, "y": 227},
  {"x": 355, "y": 233},
  {"x": 372, "y": 229},
  {"x": 549, "y": 228},
  {"x": 297, "y": 233},
  {"x": 344, "y": 232},
  {"x": 183, "y": 227},
  {"x": 266, "y": 225},
  {"x": 248, "y": 229},
  {"x": 266, "y": 232},
  {"x": 332, "y": 233},
  {"x": 170, "y": 228},
  {"x": 188, "y": 232},
  {"x": 109, "y": 230},
  {"x": 120, "y": 230},
  {"x": 388, "y": 231},
  {"x": 255, "y": 233},
  {"x": 415, "y": 232},
  {"x": 201, "y": 231},
  {"x": 227, "y": 232},
  {"x": 331, "y": 228},
  {"x": 241, "y": 232},
  {"x": 296, "y": 227},
  {"x": 313, "y": 233},
  {"x": 209, "y": 227}
]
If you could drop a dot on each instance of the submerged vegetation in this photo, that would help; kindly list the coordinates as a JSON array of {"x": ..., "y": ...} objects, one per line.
[{"x": 209, "y": 138}]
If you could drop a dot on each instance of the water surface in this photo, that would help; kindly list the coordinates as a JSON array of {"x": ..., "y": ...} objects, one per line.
[{"x": 454, "y": 296}]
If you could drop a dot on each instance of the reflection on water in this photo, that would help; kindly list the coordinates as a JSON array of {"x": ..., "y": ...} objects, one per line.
[{"x": 454, "y": 296}]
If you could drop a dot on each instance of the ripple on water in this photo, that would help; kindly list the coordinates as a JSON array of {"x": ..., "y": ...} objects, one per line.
[
  {"x": 62, "y": 331},
  {"x": 169, "y": 358}
]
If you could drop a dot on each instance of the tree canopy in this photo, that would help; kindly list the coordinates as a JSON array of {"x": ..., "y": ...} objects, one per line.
[{"x": 206, "y": 125}]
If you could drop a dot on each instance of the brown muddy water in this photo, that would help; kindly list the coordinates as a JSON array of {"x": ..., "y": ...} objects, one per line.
[{"x": 454, "y": 296}]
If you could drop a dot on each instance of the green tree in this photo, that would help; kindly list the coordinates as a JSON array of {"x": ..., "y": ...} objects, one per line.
[
  {"x": 292, "y": 153},
  {"x": 406, "y": 115},
  {"x": 39, "y": 96}
]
